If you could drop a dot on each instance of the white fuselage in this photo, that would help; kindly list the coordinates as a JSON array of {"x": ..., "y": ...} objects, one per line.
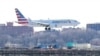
[{"x": 54, "y": 23}]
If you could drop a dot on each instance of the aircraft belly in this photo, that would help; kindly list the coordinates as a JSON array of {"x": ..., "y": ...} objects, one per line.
[{"x": 60, "y": 25}]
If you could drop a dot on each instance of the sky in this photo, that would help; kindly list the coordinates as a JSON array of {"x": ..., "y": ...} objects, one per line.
[{"x": 84, "y": 11}]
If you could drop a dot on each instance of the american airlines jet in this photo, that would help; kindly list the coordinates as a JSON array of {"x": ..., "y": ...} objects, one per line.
[{"x": 48, "y": 24}]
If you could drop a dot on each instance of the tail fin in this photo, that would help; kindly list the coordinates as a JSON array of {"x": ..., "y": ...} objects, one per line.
[{"x": 20, "y": 17}]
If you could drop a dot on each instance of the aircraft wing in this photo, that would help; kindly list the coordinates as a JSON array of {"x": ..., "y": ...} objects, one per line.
[
  {"x": 40, "y": 24},
  {"x": 37, "y": 23}
]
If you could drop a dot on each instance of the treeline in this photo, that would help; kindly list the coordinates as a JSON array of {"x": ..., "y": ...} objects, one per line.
[{"x": 52, "y": 37}]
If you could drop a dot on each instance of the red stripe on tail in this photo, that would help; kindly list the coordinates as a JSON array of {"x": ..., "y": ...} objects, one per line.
[{"x": 22, "y": 22}]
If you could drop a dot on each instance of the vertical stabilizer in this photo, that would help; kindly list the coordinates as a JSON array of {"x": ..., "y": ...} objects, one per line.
[{"x": 20, "y": 17}]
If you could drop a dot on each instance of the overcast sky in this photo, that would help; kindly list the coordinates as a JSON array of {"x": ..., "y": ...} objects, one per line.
[{"x": 85, "y": 11}]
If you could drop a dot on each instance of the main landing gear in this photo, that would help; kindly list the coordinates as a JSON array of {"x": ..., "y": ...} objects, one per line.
[{"x": 47, "y": 28}]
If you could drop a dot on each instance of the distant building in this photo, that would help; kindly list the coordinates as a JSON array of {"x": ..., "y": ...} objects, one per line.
[
  {"x": 15, "y": 30},
  {"x": 94, "y": 26},
  {"x": 9, "y": 23},
  {"x": 2, "y": 24},
  {"x": 9, "y": 32}
]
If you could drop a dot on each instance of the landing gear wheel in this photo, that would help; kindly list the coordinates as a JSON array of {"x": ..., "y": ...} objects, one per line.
[{"x": 47, "y": 28}]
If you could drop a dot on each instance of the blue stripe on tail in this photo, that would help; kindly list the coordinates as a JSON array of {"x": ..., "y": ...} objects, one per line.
[{"x": 19, "y": 14}]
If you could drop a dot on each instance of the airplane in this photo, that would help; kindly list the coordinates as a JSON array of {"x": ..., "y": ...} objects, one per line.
[{"x": 48, "y": 24}]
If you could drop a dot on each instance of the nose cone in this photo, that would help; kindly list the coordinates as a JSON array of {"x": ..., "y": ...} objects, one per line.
[{"x": 75, "y": 22}]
